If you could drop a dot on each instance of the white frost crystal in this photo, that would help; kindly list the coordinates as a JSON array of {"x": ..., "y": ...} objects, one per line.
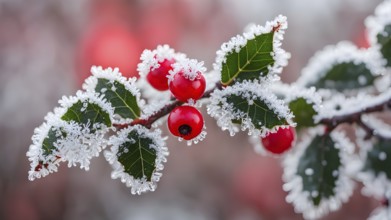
[
  {"x": 301, "y": 199},
  {"x": 137, "y": 186},
  {"x": 79, "y": 144},
  {"x": 376, "y": 24}
]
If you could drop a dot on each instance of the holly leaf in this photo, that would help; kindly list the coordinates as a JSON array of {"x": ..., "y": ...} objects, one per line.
[
  {"x": 384, "y": 39},
  {"x": 87, "y": 113},
  {"x": 123, "y": 101},
  {"x": 251, "y": 61},
  {"x": 319, "y": 168},
  {"x": 137, "y": 156},
  {"x": 52, "y": 137},
  {"x": 345, "y": 76},
  {"x": 378, "y": 159},
  {"x": 303, "y": 112},
  {"x": 260, "y": 113}
]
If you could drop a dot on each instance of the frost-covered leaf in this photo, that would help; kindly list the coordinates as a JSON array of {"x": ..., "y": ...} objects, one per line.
[
  {"x": 137, "y": 154},
  {"x": 384, "y": 39},
  {"x": 303, "y": 111},
  {"x": 121, "y": 93},
  {"x": 254, "y": 54},
  {"x": 378, "y": 159},
  {"x": 341, "y": 67},
  {"x": 379, "y": 30},
  {"x": 316, "y": 173},
  {"x": 73, "y": 133},
  {"x": 252, "y": 106}
]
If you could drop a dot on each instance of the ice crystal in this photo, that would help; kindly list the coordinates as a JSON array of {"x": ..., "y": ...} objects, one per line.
[
  {"x": 280, "y": 56},
  {"x": 294, "y": 185},
  {"x": 190, "y": 68},
  {"x": 139, "y": 185},
  {"x": 225, "y": 113},
  {"x": 78, "y": 145},
  {"x": 343, "y": 52},
  {"x": 380, "y": 213},
  {"x": 150, "y": 59}
]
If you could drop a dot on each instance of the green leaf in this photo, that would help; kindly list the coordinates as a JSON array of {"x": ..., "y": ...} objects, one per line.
[
  {"x": 260, "y": 113},
  {"x": 318, "y": 167},
  {"x": 303, "y": 112},
  {"x": 345, "y": 76},
  {"x": 384, "y": 39},
  {"x": 122, "y": 100},
  {"x": 379, "y": 158},
  {"x": 251, "y": 61},
  {"x": 53, "y": 136},
  {"x": 87, "y": 113},
  {"x": 137, "y": 156}
]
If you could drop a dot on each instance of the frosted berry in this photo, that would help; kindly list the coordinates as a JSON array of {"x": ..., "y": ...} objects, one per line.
[
  {"x": 185, "y": 122},
  {"x": 280, "y": 141},
  {"x": 184, "y": 88},
  {"x": 158, "y": 77}
]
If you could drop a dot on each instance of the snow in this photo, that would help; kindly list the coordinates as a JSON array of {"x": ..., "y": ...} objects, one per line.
[
  {"x": 191, "y": 69},
  {"x": 137, "y": 186},
  {"x": 294, "y": 185},
  {"x": 236, "y": 43},
  {"x": 376, "y": 24}
]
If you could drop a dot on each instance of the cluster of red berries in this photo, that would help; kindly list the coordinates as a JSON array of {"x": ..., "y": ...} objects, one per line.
[
  {"x": 280, "y": 141},
  {"x": 187, "y": 84}
]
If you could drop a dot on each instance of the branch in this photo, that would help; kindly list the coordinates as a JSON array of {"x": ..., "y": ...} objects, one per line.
[
  {"x": 164, "y": 111},
  {"x": 355, "y": 117}
]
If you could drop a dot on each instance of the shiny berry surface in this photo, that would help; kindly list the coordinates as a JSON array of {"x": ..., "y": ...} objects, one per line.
[
  {"x": 279, "y": 142},
  {"x": 158, "y": 77},
  {"x": 185, "y": 122},
  {"x": 184, "y": 89}
]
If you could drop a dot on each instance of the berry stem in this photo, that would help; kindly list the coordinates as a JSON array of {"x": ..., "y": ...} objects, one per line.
[{"x": 164, "y": 111}]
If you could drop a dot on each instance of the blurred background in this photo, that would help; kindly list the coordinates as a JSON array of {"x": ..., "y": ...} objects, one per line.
[{"x": 46, "y": 50}]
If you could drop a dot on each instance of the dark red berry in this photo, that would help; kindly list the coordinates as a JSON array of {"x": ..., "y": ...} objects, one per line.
[
  {"x": 184, "y": 88},
  {"x": 158, "y": 77},
  {"x": 185, "y": 122},
  {"x": 280, "y": 141}
]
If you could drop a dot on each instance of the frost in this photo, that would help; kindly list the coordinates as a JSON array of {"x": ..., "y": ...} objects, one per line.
[
  {"x": 343, "y": 52},
  {"x": 380, "y": 213},
  {"x": 150, "y": 59},
  {"x": 309, "y": 171},
  {"x": 190, "y": 68},
  {"x": 302, "y": 200},
  {"x": 225, "y": 113},
  {"x": 137, "y": 186},
  {"x": 280, "y": 56},
  {"x": 78, "y": 146},
  {"x": 339, "y": 105},
  {"x": 376, "y": 24}
]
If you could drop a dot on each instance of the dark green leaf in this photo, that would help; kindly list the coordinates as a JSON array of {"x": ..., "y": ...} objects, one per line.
[
  {"x": 379, "y": 158},
  {"x": 86, "y": 112},
  {"x": 321, "y": 160},
  {"x": 345, "y": 76},
  {"x": 251, "y": 62},
  {"x": 259, "y": 112},
  {"x": 137, "y": 157},
  {"x": 303, "y": 112},
  {"x": 384, "y": 39},
  {"x": 53, "y": 136},
  {"x": 122, "y": 100}
]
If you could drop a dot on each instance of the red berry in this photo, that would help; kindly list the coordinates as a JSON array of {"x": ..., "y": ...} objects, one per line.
[
  {"x": 184, "y": 88},
  {"x": 280, "y": 141},
  {"x": 158, "y": 77},
  {"x": 185, "y": 122}
]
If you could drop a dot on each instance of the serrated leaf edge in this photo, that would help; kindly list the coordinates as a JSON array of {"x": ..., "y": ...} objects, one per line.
[{"x": 294, "y": 186}]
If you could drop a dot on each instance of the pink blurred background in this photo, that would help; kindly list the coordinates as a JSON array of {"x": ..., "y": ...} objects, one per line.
[{"x": 46, "y": 50}]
